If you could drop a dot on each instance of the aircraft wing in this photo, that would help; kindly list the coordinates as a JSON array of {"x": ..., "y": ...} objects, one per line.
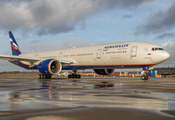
[
  {"x": 14, "y": 57},
  {"x": 28, "y": 59}
]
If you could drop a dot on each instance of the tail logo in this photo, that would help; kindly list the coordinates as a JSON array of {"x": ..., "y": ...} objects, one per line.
[{"x": 14, "y": 46}]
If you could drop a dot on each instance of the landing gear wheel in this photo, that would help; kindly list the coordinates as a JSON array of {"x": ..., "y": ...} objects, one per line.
[
  {"x": 42, "y": 76},
  {"x": 69, "y": 76},
  {"x": 78, "y": 76},
  {"x": 39, "y": 76},
  {"x": 144, "y": 77},
  {"x": 48, "y": 76},
  {"x": 74, "y": 75}
]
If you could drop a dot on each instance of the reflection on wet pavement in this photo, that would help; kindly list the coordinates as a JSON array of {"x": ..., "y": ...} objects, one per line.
[{"x": 20, "y": 94}]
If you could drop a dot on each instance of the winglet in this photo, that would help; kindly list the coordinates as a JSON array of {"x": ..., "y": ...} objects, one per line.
[{"x": 14, "y": 45}]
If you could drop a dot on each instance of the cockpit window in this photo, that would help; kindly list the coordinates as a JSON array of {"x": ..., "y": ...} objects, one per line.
[
  {"x": 161, "y": 49},
  {"x": 155, "y": 49}
]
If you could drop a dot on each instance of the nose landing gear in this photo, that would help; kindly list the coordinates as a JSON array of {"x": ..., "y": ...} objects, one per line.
[{"x": 144, "y": 75}]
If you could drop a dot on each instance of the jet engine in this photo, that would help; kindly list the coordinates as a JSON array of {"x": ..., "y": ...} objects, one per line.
[
  {"x": 104, "y": 71},
  {"x": 50, "y": 67}
]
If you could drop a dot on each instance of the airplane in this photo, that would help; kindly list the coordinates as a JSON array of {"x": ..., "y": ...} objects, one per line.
[{"x": 103, "y": 59}]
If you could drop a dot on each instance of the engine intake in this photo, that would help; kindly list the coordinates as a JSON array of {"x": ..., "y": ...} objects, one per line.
[
  {"x": 104, "y": 71},
  {"x": 50, "y": 67}
]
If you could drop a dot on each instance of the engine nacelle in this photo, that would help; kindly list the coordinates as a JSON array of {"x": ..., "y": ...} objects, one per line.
[
  {"x": 50, "y": 67},
  {"x": 104, "y": 71}
]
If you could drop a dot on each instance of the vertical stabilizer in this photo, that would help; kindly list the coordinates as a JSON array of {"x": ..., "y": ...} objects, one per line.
[{"x": 14, "y": 45}]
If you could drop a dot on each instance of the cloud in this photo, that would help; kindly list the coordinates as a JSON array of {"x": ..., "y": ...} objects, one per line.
[
  {"x": 126, "y": 17},
  {"x": 35, "y": 41},
  {"x": 165, "y": 35},
  {"x": 63, "y": 43},
  {"x": 158, "y": 22},
  {"x": 54, "y": 16}
]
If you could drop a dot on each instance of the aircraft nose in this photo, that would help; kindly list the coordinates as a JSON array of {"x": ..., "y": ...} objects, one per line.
[
  {"x": 165, "y": 55},
  {"x": 160, "y": 56}
]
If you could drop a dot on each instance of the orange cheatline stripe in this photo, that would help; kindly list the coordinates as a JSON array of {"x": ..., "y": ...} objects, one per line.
[{"x": 23, "y": 63}]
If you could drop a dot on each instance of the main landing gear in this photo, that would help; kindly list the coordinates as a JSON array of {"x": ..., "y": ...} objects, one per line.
[
  {"x": 43, "y": 76},
  {"x": 144, "y": 75},
  {"x": 74, "y": 75}
]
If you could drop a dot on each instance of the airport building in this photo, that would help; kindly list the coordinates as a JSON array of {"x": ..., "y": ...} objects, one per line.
[
  {"x": 162, "y": 71},
  {"x": 165, "y": 70}
]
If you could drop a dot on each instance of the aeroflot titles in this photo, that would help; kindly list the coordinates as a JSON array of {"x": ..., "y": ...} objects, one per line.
[{"x": 115, "y": 46}]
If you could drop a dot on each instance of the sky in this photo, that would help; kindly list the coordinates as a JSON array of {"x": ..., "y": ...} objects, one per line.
[{"x": 55, "y": 24}]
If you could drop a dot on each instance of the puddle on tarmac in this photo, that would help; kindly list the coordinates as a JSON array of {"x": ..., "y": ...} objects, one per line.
[
  {"x": 169, "y": 97},
  {"x": 4, "y": 103},
  {"x": 54, "y": 94}
]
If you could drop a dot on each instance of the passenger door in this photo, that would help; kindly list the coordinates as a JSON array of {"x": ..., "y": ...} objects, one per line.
[
  {"x": 134, "y": 51},
  {"x": 99, "y": 53},
  {"x": 60, "y": 56}
]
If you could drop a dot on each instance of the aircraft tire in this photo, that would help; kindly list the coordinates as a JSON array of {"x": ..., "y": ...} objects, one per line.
[
  {"x": 78, "y": 76},
  {"x": 39, "y": 76},
  {"x": 42, "y": 76},
  {"x": 144, "y": 77},
  {"x": 48, "y": 76},
  {"x": 74, "y": 76},
  {"x": 45, "y": 76},
  {"x": 69, "y": 76}
]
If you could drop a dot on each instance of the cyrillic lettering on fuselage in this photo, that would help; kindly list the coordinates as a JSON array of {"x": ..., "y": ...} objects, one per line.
[{"x": 106, "y": 48}]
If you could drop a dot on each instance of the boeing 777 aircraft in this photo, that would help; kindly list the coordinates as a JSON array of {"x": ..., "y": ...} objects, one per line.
[{"x": 103, "y": 59}]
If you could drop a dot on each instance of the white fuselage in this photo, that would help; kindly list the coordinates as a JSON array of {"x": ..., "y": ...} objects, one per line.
[{"x": 114, "y": 55}]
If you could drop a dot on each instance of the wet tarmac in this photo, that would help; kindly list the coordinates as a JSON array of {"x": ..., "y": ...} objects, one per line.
[{"x": 87, "y": 98}]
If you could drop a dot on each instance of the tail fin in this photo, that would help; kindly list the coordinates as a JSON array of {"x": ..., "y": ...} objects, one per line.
[{"x": 14, "y": 45}]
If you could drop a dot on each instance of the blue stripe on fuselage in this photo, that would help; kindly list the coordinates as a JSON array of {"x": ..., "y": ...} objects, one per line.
[
  {"x": 103, "y": 67},
  {"x": 17, "y": 62}
]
